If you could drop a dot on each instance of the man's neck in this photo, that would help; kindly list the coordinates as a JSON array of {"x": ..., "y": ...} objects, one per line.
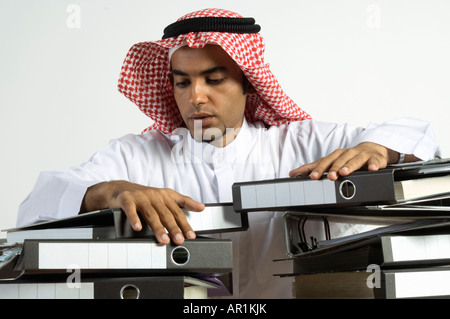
[{"x": 225, "y": 138}]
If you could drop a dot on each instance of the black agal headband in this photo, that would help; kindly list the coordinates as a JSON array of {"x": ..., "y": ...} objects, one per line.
[{"x": 211, "y": 24}]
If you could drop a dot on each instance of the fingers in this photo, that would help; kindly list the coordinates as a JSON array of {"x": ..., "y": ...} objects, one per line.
[
  {"x": 160, "y": 209},
  {"x": 343, "y": 162},
  {"x": 189, "y": 204},
  {"x": 316, "y": 169},
  {"x": 304, "y": 170},
  {"x": 349, "y": 161},
  {"x": 152, "y": 219},
  {"x": 329, "y": 164},
  {"x": 174, "y": 220}
]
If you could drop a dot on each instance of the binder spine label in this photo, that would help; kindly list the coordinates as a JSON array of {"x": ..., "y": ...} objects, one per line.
[
  {"x": 46, "y": 291},
  {"x": 413, "y": 248},
  {"x": 102, "y": 255},
  {"x": 287, "y": 194}
]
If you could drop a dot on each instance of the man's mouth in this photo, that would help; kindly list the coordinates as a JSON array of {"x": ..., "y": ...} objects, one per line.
[{"x": 203, "y": 118}]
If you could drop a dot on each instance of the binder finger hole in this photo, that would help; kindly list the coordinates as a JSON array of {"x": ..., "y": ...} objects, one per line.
[
  {"x": 180, "y": 255},
  {"x": 347, "y": 189},
  {"x": 129, "y": 292}
]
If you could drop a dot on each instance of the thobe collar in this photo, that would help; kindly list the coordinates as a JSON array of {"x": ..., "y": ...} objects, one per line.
[{"x": 192, "y": 150}]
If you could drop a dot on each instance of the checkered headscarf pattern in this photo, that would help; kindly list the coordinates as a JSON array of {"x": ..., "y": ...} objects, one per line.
[{"x": 145, "y": 76}]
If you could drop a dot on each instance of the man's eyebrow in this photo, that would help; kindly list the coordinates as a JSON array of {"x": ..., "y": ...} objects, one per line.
[
  {"x": 178, "y": 72},
  {"x": 207, "y": 71},
  {"x": 214, "y": 69}
]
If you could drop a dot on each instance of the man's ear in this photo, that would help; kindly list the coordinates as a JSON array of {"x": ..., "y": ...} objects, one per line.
[
  {"x": 247, "y": 87},
  {"x": 250, "y": 89}
]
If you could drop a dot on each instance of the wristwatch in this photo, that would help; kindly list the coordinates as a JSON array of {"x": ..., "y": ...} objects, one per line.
[{"x": 401, "y": 158}]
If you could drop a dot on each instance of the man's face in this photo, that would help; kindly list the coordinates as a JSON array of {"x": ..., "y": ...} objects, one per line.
[{"x": 208, "y": 89}]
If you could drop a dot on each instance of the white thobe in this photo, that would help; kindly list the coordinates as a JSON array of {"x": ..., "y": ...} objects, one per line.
[{"x": 206, "y": 173}]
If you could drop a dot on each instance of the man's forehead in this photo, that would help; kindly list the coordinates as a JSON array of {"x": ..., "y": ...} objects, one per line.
[{"x": 211, "y": 58}]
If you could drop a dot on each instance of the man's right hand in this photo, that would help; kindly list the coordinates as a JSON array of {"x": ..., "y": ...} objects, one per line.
[{"x": 159, "y": 207}]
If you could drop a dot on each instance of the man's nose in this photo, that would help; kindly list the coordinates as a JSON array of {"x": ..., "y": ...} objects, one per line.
[{"x": 199, "y": 93}]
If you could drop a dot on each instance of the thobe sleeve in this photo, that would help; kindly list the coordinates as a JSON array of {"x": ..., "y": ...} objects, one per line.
[
  {"x": 58, "y": 194},
  {"x": 405, "y": 135}
]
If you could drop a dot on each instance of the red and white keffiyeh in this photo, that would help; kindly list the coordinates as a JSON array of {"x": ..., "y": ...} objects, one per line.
[{"x": 145, "y": 76}]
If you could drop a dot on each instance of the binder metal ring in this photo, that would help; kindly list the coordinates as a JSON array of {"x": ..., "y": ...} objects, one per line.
[
  {"x": 180, "y": 255},
  {"x": 347, "y": 189},
  {"x": 129, "y": 292}
]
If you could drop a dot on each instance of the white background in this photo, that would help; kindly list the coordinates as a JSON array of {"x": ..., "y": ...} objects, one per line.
[{"x": 356, "y": 61}]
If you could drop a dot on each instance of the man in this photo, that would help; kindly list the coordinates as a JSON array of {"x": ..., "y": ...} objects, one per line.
[{"x": 220, "y": 117}]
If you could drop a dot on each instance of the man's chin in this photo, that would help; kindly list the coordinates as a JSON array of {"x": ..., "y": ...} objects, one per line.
[
  {"x": 211, "y": 140},
  {"x": 207, "y": 135}
]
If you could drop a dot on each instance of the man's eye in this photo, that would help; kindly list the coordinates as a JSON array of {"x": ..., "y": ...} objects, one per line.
[
  {"x": 215, "y": 81},
  {"x": 182, "y": 84}
]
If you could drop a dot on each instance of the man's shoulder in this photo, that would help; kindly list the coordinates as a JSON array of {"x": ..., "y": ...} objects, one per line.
[
  {"x": 150, "y": 136},
  {"x": 301, "y": 130},
  {"x": 291, "y": 126},
  {"x": 304, "y": 124}
]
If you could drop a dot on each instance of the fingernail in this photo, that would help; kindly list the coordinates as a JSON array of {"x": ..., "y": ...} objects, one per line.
[
  {"x": 344, "y": 169},
  {"x": 137, "y": 226},
  {"x": 178, "y": 237},
  {"x": 314, "y": 175},
  {"x": 298, "y": 175},
  {"x": 332, "y": 175},
  {"x": 190, "y": 234},
  {"x": 164, "y": 237}
]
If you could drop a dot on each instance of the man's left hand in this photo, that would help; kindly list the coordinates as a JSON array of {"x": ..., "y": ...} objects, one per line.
[{"x": 343, "y": 162}]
